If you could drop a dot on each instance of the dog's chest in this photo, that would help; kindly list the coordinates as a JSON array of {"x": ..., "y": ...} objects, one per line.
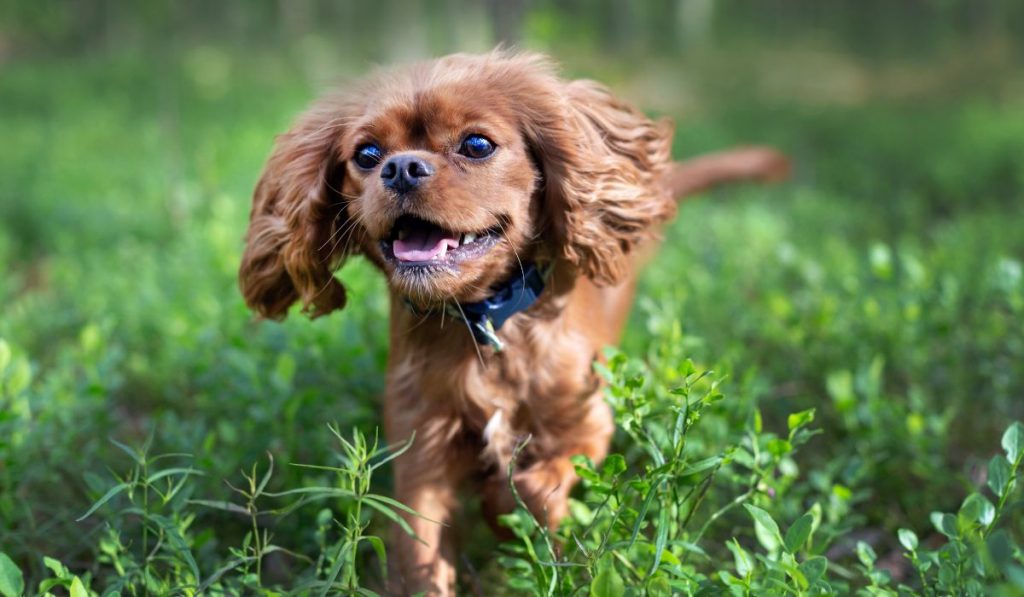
[{"x": 539, "y": 383}]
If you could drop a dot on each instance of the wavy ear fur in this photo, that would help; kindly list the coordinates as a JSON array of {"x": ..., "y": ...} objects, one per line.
[
  {"x": 602, "y": 162},
  {"x": 291, "y": 251}
]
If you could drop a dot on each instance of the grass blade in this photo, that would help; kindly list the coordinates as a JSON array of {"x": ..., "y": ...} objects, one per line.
[{"x": 113, "y": 491}]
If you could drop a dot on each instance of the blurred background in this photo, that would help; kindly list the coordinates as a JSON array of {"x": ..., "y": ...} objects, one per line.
[{"x": 883, "y": 285}]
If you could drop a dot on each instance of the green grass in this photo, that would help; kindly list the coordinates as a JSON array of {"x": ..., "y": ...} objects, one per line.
[{"x": 881, "y": 290}]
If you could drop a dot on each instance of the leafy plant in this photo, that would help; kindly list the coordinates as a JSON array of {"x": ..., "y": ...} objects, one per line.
[
  {"x": 644, "y": 527},
  {"x": 151, "y": 547},
  {"x": 981, "y": 554}
]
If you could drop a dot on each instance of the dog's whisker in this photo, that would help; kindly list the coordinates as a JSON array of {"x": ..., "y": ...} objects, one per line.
[
  {"x": 423, "y": 319},
  {"x": 342, "y": 233},
  {"x": 472, "y": 336},
  {"x": 522, "y": 270}
]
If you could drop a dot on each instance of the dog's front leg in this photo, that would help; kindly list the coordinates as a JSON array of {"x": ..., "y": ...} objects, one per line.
[
  {"x": 544, "y": 485},
  {"x": 426, "y": 479}
]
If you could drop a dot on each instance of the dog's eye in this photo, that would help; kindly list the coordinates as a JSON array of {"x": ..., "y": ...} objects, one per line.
[
  {"x": 476, "y": 147},
  {"x": 368, "y": 156}
]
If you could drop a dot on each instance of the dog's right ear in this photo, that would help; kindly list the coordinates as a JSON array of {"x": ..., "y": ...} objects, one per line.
[{"x": 298, "y": 234}]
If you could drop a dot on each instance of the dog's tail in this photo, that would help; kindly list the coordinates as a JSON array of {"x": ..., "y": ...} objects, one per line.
[{"x": 742, "y": 164}]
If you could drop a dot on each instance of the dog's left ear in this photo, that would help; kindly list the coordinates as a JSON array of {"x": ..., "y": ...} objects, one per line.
[{"x": 602, "y": 162}]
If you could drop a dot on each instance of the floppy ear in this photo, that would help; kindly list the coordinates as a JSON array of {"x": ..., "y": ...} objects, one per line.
[
  {"x": 601, "y": 160},
  {"x": 292, "y": 247}
]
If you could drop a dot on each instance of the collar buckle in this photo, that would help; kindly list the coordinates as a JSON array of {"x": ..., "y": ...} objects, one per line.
[{"x": 485, "y": 328}]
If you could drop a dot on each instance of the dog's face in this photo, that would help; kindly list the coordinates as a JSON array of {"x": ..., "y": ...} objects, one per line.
[
  {"x": 441, "y": 182},
  {"x": 449, "y": 175}
]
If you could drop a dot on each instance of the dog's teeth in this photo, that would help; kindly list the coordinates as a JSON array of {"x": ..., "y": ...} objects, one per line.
[{"x": 468, "y": 238}]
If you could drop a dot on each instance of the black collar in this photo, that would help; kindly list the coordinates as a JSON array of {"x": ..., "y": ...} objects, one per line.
[{"x": 486, "y": 317}]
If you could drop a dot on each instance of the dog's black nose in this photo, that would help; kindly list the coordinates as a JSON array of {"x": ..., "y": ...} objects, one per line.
[{"x": 403, "y": 172}]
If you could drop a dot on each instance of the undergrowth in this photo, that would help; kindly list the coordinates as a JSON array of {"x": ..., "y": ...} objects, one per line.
[
  {"x": 639, "y": 526},
  {"x": 810, "y": 393}
]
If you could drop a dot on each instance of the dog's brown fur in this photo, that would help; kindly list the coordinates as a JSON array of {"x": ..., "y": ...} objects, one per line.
[{"x": 580, "y": 180}]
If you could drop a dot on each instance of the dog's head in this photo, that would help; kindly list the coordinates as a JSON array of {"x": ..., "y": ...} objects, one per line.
[{"x": 448, "y": 175}]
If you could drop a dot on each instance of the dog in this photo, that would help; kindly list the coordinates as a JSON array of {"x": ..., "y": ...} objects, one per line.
[{"x": 509, "y": 210}]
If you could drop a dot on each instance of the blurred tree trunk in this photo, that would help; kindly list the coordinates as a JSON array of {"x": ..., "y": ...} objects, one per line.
[
  {"x": 238, "y": 18},
  {"x": 295, "y": 17},
  {"x": 621, "y": 24},
  {"x": 695, "y": 19},
  {"x": 507, "y": 20},
  {"x": 91, "y": 26}
]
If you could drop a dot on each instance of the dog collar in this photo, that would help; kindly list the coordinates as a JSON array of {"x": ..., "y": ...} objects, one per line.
[{"x": 486, "y": 317}]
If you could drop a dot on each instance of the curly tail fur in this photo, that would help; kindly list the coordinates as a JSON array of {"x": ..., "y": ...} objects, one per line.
[{"x": 742, "y": 164}]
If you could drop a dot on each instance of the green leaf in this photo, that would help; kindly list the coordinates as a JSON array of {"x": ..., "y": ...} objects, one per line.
[
  {"x": 607, "y": 583},
  {"x": 977, "y": 508},
  {"x": 908, "y": 539},
  {"x": 1000, "y": 548},
  {"x": 221, "y": 505},
  {"x": 659, "y": 587},
  {"x": 266, "y": 477},
  {"x": 798, "y": 577},
  {"x": 47, "y": 584},
  {"x": 58, "y": 569},
  {"x": 970, "y": 508},
  {"x": 744, "y": 565},
  {"x": 799, "y": 419},
  {"x": 382, "y": 556},
  {"x": 779, "y": 447},
  {"x": 730, "y": 580},
  {"x": 947, "y": 573},
  {"x": 660, "y": 539},
  {"x": 798, "y": 533},
  {"x": 613, "y": 465},
  {"x": 78, "y": 589},
  {"x": 814, "y": 568},
  {"x": 866, "y": 554},
  {"x": 701, "y": 466},
  {"x": 314, "y": 492},
  {"x": 12, "y": 583},
  {"x": 113, "y": 491},
  {"x": 998, "y": 475},
  {"x": 586, "y": 474},
  {"x": 518, "y": 583},
  {"x": 1013, "y": 441},
  {"x": 395, "y": 517},
  {"x": 132, "y": 452},
  {"x": 173, "y": 535},
  {"x": 765, "y": 528},
  {"x": 339, "y": 560},
  {"x": 397, "y": 505},
  {"x": 167, "y": 472},
  {"x": 944, "y": 523}
]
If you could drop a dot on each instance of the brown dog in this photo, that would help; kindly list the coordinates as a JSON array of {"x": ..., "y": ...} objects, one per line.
[{"x": 506, "y": 207}]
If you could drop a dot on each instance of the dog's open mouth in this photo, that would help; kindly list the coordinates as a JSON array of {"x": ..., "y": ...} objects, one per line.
[{"x": 416, "y": 242}]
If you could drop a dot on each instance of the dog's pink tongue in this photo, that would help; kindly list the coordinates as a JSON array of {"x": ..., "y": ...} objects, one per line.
[{"x": 422, "y": 244}]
